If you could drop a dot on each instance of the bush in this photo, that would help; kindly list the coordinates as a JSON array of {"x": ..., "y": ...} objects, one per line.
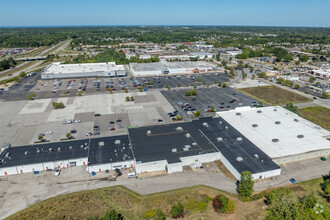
[
  {"x": 149, "y": 214},
  {"x": 132, "y": 99},
  {"x": 31, "y": 96},
  {"x": 160, "y": 215},
  {"x": 57, "y": 105},
  {"x": 230, "y": 206},
  {"x": 177, "y": 210},
  {"x": 193, "y": 92},
  {"x": 127, "y": 98},
  {"x": 220, "y": 204},
  {"x": 187, "y": 93}
]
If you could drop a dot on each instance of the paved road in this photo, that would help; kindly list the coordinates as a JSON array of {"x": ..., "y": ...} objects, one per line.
[
  {"x": 27, "y": 69},
  {"x": 22, "y": 64},
  {"x": 20, "y": 191},
  {"x": 319, "y": 101}
]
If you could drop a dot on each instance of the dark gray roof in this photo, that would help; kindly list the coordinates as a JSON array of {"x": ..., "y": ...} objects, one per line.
[
  {"x": 234, "y": 145},
  {"x": 166, "y": 142},
  {"x": 46, "y": 152},
  {"x": 105, "y": 150}
]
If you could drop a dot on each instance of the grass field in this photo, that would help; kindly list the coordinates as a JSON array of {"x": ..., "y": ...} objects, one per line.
[
  {"x": 317, "y": 114},
  {"x": 197, "y": 201},
  {"x": 273, "y": 95}
]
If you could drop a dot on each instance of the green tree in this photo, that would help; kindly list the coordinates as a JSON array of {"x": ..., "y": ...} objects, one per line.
[
  {"x": 230, "y": 206},
  {"x": 132, "y": 98},
  {"x": 193, "y": 92},
  {"x": 22, "y": 74},
  {"x": 31, "y": 96},
  {"x": 159, "y": 215},
  {"x": 127, "y": 98},
  {"x": 178, "y": 117},
  {"x": 246, "y": 184},
  {"x": 57, "y": 105},
  {"x": 292, "y": 107},
  {"x": 140, "y": 88},
  {"x": 325, "y": 95},
  {"x": 212, "y": 108},
  {"x": 188, "y": 93},
  {"x": 68, "y": 135},
  {"x": 197, "y": 113},
  {"x": 304, "y": 58},
  {"x": 219, "y": 84},
  {"x": 296, "y": 86},
  {"x": 325, "y": 187},
  {"x": 312, "y": 79}
]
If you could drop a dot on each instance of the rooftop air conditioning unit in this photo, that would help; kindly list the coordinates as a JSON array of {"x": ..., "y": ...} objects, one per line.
[
  {"x": 226, "y": 127},
  {"x": 148, "y": 132},
  {"x": 239, "y": 139},
  {"x": 296, "y": 119},
  {"x": 70, "y": 148},
  {"x": 174, "y": 150},
  {"x": 277, "y": 122},
  {"x": 118, "y": 142},
  {"x": 26, "y": 152},
  {"x": 205, "y": 124},
  {"x": 275, "y": 140},
  {"x": 256, "y": 156},
  {"x": 254, "y": 125},
  {"x": 259, "y": 111},
  {"x": 239, "y": 159},
  {"x": 220, "y": 122},
  {"x": 219, "y": 139},
  {"x": 50, "y": 149},
  {"x": 238, "y": 113},
  {"x": 58, "y": 149},
  {"x": 179, "y": 129},
  {"x": 188, "y": 135},
  {"x": 300, "y": 136}
]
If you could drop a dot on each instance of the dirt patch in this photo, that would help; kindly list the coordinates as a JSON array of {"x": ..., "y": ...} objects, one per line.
[{"x": 224, "y": 169}]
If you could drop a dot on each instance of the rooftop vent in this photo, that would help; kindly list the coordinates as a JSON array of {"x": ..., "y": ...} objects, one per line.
[
  {"x": 179, "y": 129},
  {"x": 38, "y": 151},
  {"x": 238, "y": 113},
  {"x": 254, "y": 125},
  {"x": 277, "y": 122},
  {"x": 58, "y": 149},
  {"x": 50, "y": 149},
  {"x": 300, "y": 136},
  {"x": 194, "y": 144},
  {"x": 148, "y": 132},
  {"x": 239, "y": 139},
  {"x": 259, "y": 111},
  {"x": 275, "y": 140},
  {"x": 81, "y": 146},
  {"x": 117, "y": 141},
  {"x": 7, "y": 155},
  {"x": 239, "y": 159},
  {"x": 26, "y": 152},
  {"x": 256, "y": 156},
  {"x": 226, "y": 127},
  {"x": 174, "y": 150},
  {"x": 296, "y": 119},
  {"x": 275, "y": 110},
  {"x": 219, "y": 139},
  {"x": 205, "y": 124},
  {"x": 188, "y": 135},
  {"x": 70, "y": 148},
  {"x": 101, "y": 144}
]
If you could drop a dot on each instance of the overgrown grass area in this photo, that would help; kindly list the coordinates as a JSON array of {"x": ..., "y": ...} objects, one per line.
[
  {"x": 317, "y": 114},
  {"x": 273, "y": 95},
  {"x": 197, "y": 202}
]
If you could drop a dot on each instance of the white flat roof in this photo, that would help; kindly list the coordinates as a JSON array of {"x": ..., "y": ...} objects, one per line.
[
  {"x": 291, "y": 125},
  {"x": 58, "y": 68}
]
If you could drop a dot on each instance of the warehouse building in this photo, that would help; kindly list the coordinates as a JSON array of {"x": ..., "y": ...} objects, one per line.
[
  {"x": 83, "y": 70},
  {"x": 170, "y": 147},
  {"x": 163, "y": 67},
  {"x": 25, "y": 159},
  {"x": 110, "y": 153},
  {"x": 281, "y": 134}
]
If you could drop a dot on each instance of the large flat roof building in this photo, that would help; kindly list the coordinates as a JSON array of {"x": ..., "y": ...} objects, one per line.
[
  {"x": 163, "y": 67},
  {"x": 83, "y": 70},
  {"x": 280, "y": 133}
]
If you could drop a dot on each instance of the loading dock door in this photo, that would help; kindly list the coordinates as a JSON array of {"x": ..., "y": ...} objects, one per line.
[{"x": 73, "y": 164}]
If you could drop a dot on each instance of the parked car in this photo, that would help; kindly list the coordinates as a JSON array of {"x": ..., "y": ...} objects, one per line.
[
  {"x": 89, "y": 134},
  {"x": 97, "y": 114},
  {"x": 57, "y": 172},
  {"x": 76, "y": 121},
  {"x": 73, "y": 131},
  {"x": 48, "y": 132},
  {"x": 118, "y": 172},
  {"x": 96, "y": 133},
  {"x": 292, "y": 180}
]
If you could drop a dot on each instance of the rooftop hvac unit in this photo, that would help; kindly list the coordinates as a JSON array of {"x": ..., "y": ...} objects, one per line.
[
  {"x": 118, "y": 142},
  {"x": 174, "y": 150},
  {"x": 179, "y": 129},
  {"x": 239, "y": 139},
  {"x": 256, "y": 156},
  {"x": 238, "y": 113},
  {"x": 275, "y": 140},
  {"x": 148, "y": 132},
  {"x": 300, "y": 136},
  {"x": 220, "y": 122},
  {"x": 50, "y": 149},
  {"x": 277, "y": 122},
  {"x": 296, "y": 119},
  {"x": 275, "y": 110},
  {"x": 205, "y": 124},
  {"x": 219, "y": 139},
  {"x": 70, "y": 148},
  {"x": 259, "y": 111},
  {"x": 81, "y": 146},
  {"x": 38, "y": 151},
  {"x": 58, "y": 149},
  {"x": 226, "y": 127},
  {"x": 239, "y": 159},
  {"x": 254, "y": 125},
  {"x": 194, "y": 144},
  {"x": 26, "y": 152},
  {"x": 188, "y": 135}
]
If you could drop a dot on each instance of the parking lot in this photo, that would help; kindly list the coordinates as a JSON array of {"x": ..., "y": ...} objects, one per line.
[
  {"x": 221, "y": 99},
  {"x": 22, "y": 122}
]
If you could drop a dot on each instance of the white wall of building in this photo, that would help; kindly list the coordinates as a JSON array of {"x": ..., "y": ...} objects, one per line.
[
  {"x": 266, "y": 174},
  {"x": 110, "y": 166},
  {"x": 30, "y": 168},
  {"x": 8, "y": 171},
  {"x": 151, "y": 166},
  {"x": 174, "y": 167},
  {"x": 197, "y": 160}
]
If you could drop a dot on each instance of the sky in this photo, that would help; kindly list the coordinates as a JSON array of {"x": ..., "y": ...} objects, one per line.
[{"x": 303, "y": 13}]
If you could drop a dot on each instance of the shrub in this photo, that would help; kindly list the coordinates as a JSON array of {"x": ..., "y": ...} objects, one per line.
[
  {"x": 132, "y": 99},
  {"x": 31, "y": 96},
  {"x": 220, "y": 203},
  {"x": 177, "y": 210},
  {"x": 58, "y": 105},
  {"x": 246, "y": 184},
  {"x": 230, "y": 206},
  {"x": 193, "y": 92},
  {"x": 149, "y": 214},
  {"x": 187, "y": 93},
  {"x": 127, "y": 98},
  {"x": 160, "y": 215}
]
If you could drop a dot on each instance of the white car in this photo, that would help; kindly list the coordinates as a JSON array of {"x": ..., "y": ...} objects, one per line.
[
  {"x": 57, "y": 172},
  {"x": 48, "y": 132},
  {"x": 77, "y": 121}
]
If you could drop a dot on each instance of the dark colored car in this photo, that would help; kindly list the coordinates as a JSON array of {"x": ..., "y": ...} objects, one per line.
[
  {"x": 118, "y": 172},
  {"x": 73, "y": 131},
  {"x": 96, "y": 115}
]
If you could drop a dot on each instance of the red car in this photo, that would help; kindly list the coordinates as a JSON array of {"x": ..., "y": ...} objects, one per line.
[{"x": 112, "y": 129}]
